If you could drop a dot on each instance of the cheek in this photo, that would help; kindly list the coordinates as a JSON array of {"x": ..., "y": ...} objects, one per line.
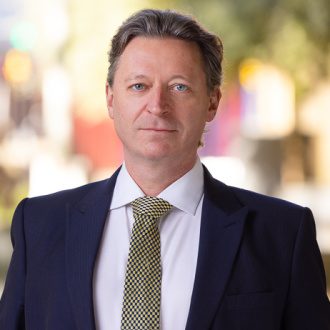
[
  {"x": 118, "y": 110},
  {"x": 128, "y": 109},
  {"x": 195, "y": 117}
]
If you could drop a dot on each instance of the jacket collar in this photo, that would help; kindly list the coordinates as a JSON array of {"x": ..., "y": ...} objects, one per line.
[
  {"x": 223, "y": 218},
  {"x": 85, "y": 225}
]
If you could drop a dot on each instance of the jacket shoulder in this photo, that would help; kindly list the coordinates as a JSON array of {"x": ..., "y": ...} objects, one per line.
[
  {"x": 251, "y": 198},
  {"x": 69, "y": 195}
]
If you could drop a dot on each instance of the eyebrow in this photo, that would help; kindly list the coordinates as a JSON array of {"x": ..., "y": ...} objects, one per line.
[
  {"x": 179, "y": 76},
  {"x": 133, "y": 77},
  {"x": 142, "y": 76}
]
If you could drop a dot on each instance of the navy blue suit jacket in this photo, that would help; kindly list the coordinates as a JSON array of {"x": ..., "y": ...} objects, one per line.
[{"x": 258, "y": 268}]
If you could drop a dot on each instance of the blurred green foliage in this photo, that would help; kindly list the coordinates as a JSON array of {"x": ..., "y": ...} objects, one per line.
[{"x": 292, "y": 34}]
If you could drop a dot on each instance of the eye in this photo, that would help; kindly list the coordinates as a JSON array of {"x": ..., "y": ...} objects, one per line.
[
  {"x": 181, "y": 87},
  {"x": 138, "y": 87}
]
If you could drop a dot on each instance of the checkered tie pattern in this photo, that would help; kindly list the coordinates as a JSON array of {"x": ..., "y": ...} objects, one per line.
[{"x": 141, "y": 304}]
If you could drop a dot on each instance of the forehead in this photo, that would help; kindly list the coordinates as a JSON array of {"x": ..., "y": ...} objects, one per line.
[{"x": 161, "y": 54}]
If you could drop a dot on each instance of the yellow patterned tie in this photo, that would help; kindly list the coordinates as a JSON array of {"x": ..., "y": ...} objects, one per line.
[{"x": 141, "y": 304}]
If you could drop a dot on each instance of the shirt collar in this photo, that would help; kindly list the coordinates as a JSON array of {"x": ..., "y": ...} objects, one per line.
[
  {"x": 184, "y": 194},
  {"x": 126, "y": 189}
]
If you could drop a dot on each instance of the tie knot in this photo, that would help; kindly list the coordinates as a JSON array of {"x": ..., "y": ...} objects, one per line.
[{"x": 149, "y": 206}]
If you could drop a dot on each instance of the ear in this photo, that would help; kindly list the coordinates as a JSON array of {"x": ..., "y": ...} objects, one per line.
[
  {"x": 109, "y": 98},
  {"x": 215, "y": 97}
]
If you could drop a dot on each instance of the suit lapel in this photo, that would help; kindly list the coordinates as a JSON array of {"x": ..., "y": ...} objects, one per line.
[
  {"x": 84, "y": 230},
  {"x": 223, "y": 218}
]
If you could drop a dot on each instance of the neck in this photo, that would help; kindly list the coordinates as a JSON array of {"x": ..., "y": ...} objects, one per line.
[{"x": 153, "y": 177}]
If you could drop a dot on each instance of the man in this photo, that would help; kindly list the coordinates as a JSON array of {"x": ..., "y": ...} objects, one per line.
[{"x": 214, "y": 257}]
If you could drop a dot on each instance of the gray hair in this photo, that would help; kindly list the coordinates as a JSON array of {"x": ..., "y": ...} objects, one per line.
[{"x": 168, "y": 23}]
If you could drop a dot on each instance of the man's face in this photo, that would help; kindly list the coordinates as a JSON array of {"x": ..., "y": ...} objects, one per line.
[{"x": 159, "y": 99}]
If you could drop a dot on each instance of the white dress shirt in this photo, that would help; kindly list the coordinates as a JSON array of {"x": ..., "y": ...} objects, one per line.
[{"x": 179, "y": 232}]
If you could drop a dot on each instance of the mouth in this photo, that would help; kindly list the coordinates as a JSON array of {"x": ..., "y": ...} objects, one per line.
[{"x": 158, "y": 130}]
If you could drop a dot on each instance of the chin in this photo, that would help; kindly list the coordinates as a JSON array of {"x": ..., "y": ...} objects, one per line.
[{"x": 158, "y": 152}]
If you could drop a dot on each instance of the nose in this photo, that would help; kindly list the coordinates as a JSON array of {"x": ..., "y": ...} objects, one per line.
[{"x": 158, "y": 103}]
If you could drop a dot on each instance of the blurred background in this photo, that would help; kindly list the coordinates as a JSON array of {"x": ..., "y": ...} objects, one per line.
[{"x": 271, "y": 133}]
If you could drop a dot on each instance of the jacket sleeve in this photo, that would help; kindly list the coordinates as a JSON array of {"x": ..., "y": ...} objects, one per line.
[
  {"x": 307, "y": 305},
  {"x": 12, "y": 300}
]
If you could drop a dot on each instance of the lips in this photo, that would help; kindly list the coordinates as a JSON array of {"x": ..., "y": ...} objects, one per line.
[{"x": 157, "y": 129}]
